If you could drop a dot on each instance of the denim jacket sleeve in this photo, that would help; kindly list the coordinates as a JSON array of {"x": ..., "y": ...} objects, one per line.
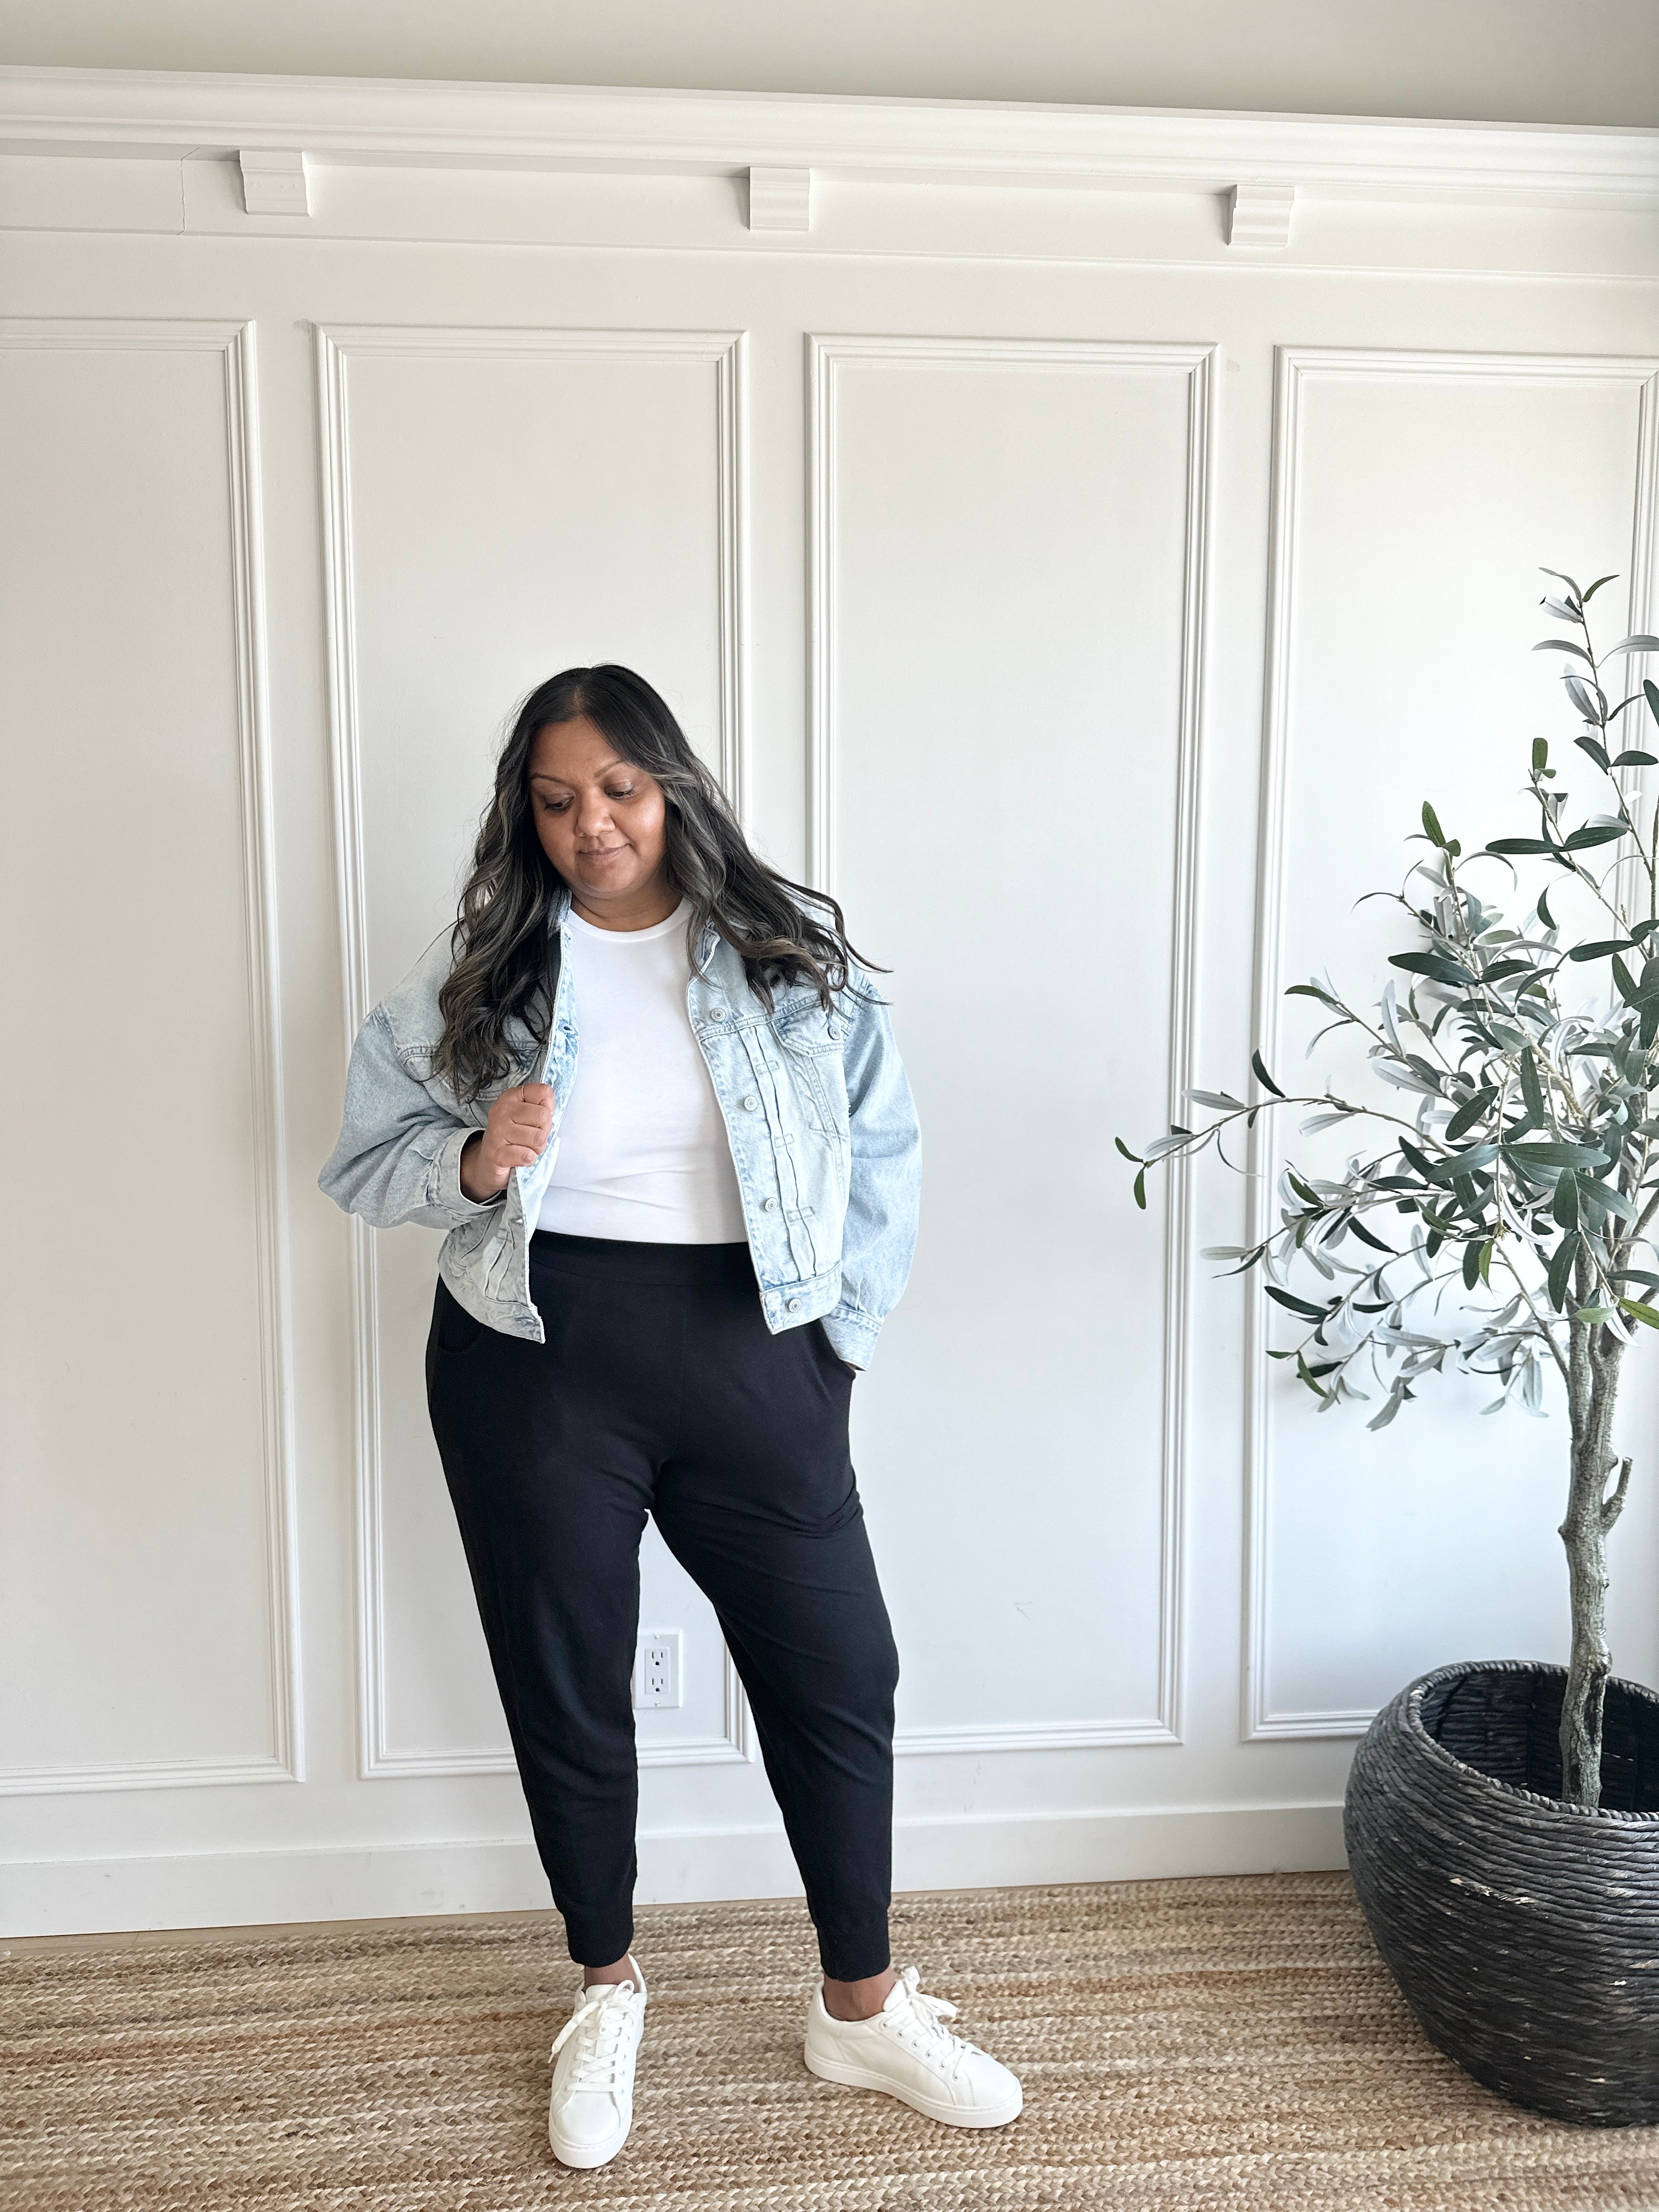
[
  {"x": 399, "y": 1157},
  {"x": 879, "y": 1237}
]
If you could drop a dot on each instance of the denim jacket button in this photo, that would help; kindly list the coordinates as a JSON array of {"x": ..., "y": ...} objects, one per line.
[
  {"x": 794, "y": 1305},
  {"x": 750, "y": 1104},
  {"x": 717, "y": 1013},
  {"x": 769, "y": 1206}
]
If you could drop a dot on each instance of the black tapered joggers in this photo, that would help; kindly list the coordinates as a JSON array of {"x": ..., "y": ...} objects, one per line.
[{"x": 660, "y": 1389}]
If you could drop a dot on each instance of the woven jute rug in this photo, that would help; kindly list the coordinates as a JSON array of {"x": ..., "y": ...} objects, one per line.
[{"x": 1183, "y": 2043}]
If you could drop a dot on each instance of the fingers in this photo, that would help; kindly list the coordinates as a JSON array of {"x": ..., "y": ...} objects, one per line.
[
  {"x": 535, "y": 1103},
  {"x": 504, "y": 1153},
  {"x": 520, "y": 1122},
  {"x": 529, "y": 1118},
  {"x": 528, "y": 1105}
]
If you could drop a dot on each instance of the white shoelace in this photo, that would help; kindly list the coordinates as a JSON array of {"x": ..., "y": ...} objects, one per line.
[
  {"x": 603, "y": 2014},
  {"x": 921, "y": 2023}
]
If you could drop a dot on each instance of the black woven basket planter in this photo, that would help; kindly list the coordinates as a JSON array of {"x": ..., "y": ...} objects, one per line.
[{"x": 1523, "y": 1933}]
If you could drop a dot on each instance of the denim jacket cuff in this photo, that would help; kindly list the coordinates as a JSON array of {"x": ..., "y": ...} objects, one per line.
[
  {"x": 444, "y": 1192},
  {"x": 852, "y": 1334}
]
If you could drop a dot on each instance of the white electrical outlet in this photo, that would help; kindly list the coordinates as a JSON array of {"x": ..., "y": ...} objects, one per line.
[{"x": 657, "y": 1670}]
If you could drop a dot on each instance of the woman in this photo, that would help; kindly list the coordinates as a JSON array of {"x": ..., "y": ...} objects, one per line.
[{"x": 658, "y": 1284}]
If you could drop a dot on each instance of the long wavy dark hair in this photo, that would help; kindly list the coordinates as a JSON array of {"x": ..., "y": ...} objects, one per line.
[{"x": 505, "y": 962}]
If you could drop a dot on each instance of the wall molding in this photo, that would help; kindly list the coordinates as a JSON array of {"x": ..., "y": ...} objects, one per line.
[
  {"x": 1294, "y": 368},
  {"x": 977, "y": 1736},
  {"x": 274, "y": 183},
  {"x": 780, "y": 199},
  {"x": 336, "y": 345},
  {"x": 948, "y": 141},
  {"x": 1199, "y": 367},
  {"x": 234, "y": 342},
  {"x": 1256, "y": 218},
  {"x": 735, "y": 1746},
  {"x": 230, "y": 1889}
]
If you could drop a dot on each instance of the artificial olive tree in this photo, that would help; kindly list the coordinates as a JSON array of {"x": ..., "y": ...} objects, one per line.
[{"x": 1518, "y": 1168}]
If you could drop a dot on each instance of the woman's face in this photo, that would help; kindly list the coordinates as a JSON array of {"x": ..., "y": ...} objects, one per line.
[{"x": 600, "y": 820}]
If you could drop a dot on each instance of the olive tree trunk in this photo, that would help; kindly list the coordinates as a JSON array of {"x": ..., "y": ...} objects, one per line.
[{"x": 1592, "y": 1388}]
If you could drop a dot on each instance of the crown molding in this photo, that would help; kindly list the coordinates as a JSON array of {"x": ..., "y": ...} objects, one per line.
[{"x": 952, "y": 141}]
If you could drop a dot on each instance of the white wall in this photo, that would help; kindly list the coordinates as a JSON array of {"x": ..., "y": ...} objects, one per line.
[
  {"x": 1536, "y": 61},
  {"x": 1090, "y": 604}
]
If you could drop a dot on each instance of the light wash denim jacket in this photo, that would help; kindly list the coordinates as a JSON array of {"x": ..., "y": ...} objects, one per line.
[{"x": 817, "y": 1106}]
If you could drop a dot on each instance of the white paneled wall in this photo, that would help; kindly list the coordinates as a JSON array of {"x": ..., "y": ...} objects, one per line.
[
  {"x": 146, "y": 1629},
  {"x": 1007, "y": 710},
  {"x": 1404, "y": 647},
  {"x": 1090, "y": 604}
]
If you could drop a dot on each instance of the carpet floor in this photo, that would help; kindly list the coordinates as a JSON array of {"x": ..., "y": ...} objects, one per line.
[{"x": 1185, "y": 2046}]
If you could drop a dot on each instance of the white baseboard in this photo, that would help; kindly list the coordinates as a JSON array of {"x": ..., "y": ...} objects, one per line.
[{"x": 236, "y": 1889}]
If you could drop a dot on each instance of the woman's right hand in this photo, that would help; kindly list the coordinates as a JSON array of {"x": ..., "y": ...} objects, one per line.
[{"x": 515, "y": 1136}]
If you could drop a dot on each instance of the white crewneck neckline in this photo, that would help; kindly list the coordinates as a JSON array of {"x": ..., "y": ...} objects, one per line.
[{"x": 592, "y": 931}]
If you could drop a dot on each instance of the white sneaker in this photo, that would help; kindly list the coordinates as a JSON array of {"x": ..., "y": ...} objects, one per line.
[
  {"x": 592, "y": 2106},
  {"x": 906, "y": 2050}
]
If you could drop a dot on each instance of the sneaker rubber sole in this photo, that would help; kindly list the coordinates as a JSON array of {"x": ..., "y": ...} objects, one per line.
[{"x": 956, "y": 2116}]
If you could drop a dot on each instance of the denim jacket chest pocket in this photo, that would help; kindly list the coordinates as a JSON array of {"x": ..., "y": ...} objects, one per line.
[
  {"x": 416, "y": 1056},
  {"x": 415, "y": 1059},
  {"x": 808, "y": 1035}
]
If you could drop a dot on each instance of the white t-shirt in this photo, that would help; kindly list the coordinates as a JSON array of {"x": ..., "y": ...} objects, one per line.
[{"x": 643, "y": 1151}]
